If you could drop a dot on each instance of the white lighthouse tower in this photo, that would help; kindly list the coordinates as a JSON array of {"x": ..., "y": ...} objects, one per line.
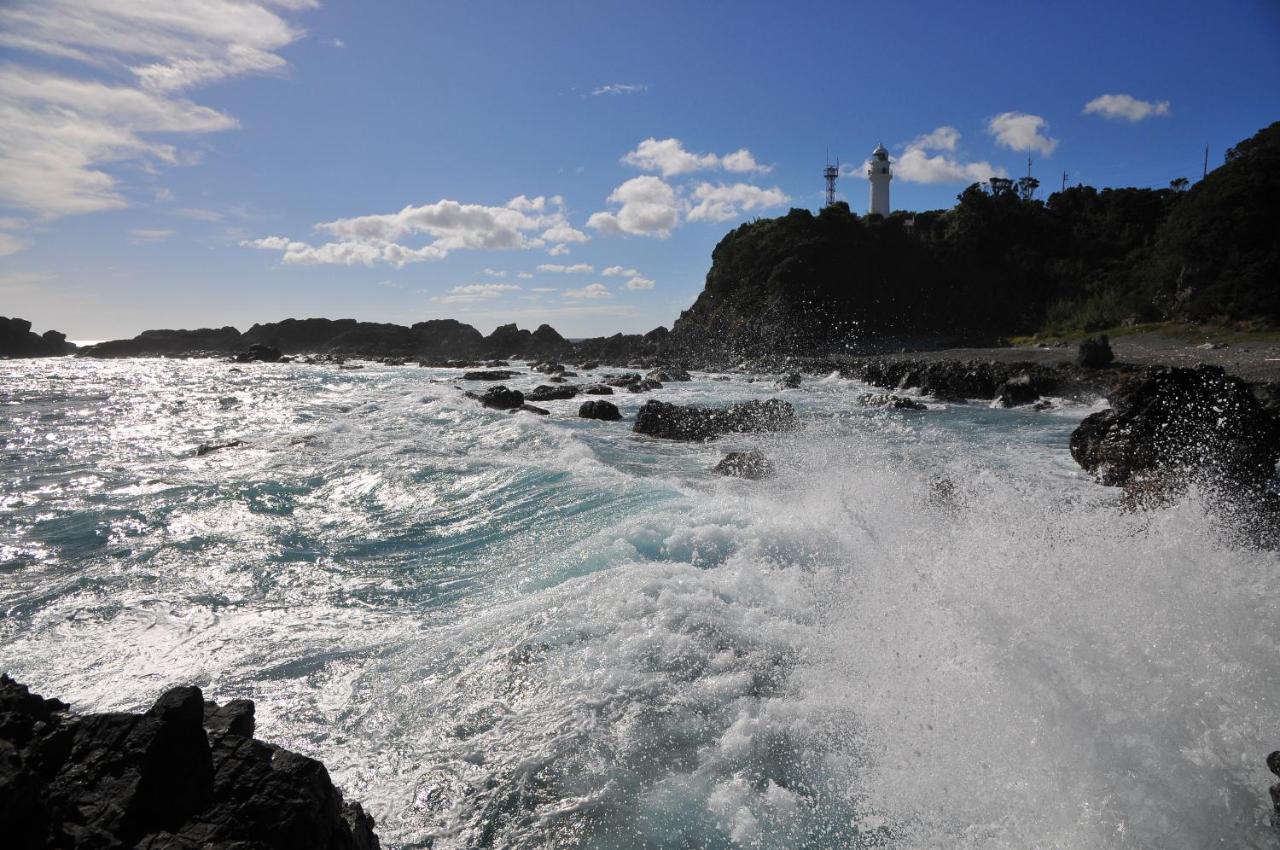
[{"x": 879, "y": 173}]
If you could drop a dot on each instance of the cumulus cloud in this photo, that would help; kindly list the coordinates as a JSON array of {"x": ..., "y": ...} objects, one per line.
[
  {"x": 448, "y": 225},
  {"x": 640, "y": 283},
  {"x": 1124, "y": 107},
  {"x": 475, "y": 292},
  {"x": 493, "y": 272},
  {"x": 619, "y": 88},
  {"x": 647, "y": 207},
  {"x": 721, "y": 202},
  {"x": 1022, "y": 132},
  {"x": 619, "y": 271},
  {"x": 558, "y": 250},
  {"x": 669, "y": 158},
  {"x": 59, "y": 133},
  {"x": 591, "y": 290},
  {"x": 917, "y": 165}
]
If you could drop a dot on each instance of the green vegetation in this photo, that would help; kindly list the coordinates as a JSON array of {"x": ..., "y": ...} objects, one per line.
[{"x": 1002, "y": 262}]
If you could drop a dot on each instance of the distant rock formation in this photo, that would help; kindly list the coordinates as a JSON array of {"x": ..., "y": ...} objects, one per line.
[
  {"x": 186, "y": 774},
  {"x": 18, "y": 340}
]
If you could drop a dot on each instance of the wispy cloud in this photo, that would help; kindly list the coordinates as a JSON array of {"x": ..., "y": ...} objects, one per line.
[
  {"x": 577, "y": 268},
  {"x": 475, "y": 292},
  {"x": 619, "y": 88},
  {"x": 145, "y": 236},
  {"x": 590, "y": 291},
  {"x": 1124, "y": 107},
  {"x": 619, "y": 271}
]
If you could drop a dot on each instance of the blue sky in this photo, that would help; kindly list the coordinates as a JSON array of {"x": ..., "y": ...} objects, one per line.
[{"x": 182, "y": 163}]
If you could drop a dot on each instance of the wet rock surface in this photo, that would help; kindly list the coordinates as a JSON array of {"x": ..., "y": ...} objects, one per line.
[
  {"x": 605, "y": 411},
  {"x": 890, "y": 401},
  {"x": 18, "y": 340},
  {"x": 693, "y": 422},
  {"x": 186, "y": 774},
  {"x": 751, "y": 465}
]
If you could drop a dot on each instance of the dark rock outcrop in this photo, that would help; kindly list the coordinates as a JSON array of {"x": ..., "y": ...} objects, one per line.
[
  {"x": 669, "y": 374},
  {"x": 1171, "y": 426},
  {"x": 890, "y": 401},
  {"x": 789, "y": 382},
  {"x": 1095, "y": 353},
  {"x": 186, "y": 774},
  {"x": 1017, "y": 391},
  {"x": 596, "y": 389},
  {"x": 259, "y": 353},
  {"x": 543, "y": 392},
  {"x": 606, "y": 411},
  {"x": 18, "y": 340},
  {"x": 202, "y": 342},
  {"x": 500, "y": 398},
  {"x": 206, "y": 448},
  {"x": 692, "y": 422},
  {"x": 643, "y": 386},
  {"x": 750, "y": 464}
]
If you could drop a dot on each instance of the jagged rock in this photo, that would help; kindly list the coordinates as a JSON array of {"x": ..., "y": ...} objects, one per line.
[
  {"x": 750, "y": 464},
  {"x": 1169, "y": 426},
  {"x": 890, "y": 401},
  {"x": 548, "y": 368},
  {"x": 603, "y": 410},
  {"x": 789, "y": 382},
  {"x": 205, "y": 448},
  {"x": 499, "y": 398},
  {"x": 490, "y": 375},
  {"x": 258, "y": 353},
  {"x": 596, "y": 389},
  {"x": 529, "y": 408},
  {"x": 672, "y": 374},
  {"x": 1095, "y": 352},
  {"x": 184, "y": 343},
  {"x": 1017, "y": 391},
  {"x": 588, "y": 365},
  {"x": 542, "y": 392},
  {"x": 644, "y": 386},
  {"x": 18, "y": 340},
  {"x": 691, "y": 422},
  {"x": 626, "y": 379},
  {"x": 186, "y": 774}
]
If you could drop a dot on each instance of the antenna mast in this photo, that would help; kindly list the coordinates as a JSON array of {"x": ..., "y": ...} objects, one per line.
[
  {"x": 830, "y": 173},
  {"x": 1206, "y": 163}
]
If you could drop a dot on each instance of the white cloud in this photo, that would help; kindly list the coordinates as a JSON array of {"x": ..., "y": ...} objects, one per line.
[
  {"x": 576, "y": 268},
  {"x": 721, "y": 202},
  {"x": 648, "y": 207},
  {"x": 640, "y": 283},
  {"x": 562, "y": 232},
  {"x": 494, "y": 272},
  {"x": 10, "y": 244},
  {"x": 619, "y": 271},
  {"x": 543, "y": 289},
  {"x": 475, "y": 292},
  {"x": 524, "y": 275},
  {"x": 390, "y": 284},
  {"x": 619, "y": 88},
  {"x": 558, "y": 250},
  {"x": 335, "y": 42},
  {"x": 1124, "y": 107},
  {"x": 669, "y": 158},
  {"x": 59, "y": 134},
  {"x": 143, "y": 235},
  {"x": 591, "y": 290},
  {"x": 1022, "y": 132},
  {"x": 199, "y": 214},
  {"x": 449, "y": 225},
  {"x": 916, "y": 165}
]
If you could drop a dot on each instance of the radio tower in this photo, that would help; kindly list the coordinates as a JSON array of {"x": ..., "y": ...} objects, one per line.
[{"x": 831, "y": 173}]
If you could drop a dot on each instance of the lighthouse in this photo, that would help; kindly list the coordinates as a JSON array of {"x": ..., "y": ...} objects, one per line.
[{"x": 879, "y": 173}]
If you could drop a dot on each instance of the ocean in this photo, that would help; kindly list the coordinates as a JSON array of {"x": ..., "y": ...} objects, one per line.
[{"x": 929, "y": 629}]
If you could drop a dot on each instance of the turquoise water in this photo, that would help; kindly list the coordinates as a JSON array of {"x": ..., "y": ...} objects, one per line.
[{"x": 516, "y": 631}]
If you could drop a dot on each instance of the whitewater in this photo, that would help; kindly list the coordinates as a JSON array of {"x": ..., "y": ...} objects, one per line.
[{"x": 929, "y": 629}]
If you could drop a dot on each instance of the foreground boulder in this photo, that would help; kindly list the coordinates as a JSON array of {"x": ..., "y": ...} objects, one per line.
[
  {"x": 751, "y": 465},
  {"x": 692, "y": 422},
  {"x": 1017, "y": 391},
  {"x": 1168, "y": 427},
  {"x": 490, "y": 375},
  {"x": 186, "y": 774},
  {"x": 605, "y": 411},
  {"x": 543, "y": 392},
  {"x": 890, "y": 401}
]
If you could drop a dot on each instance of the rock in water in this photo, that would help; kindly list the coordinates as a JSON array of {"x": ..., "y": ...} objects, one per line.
[
  {"x": 543, "y": 392},
  {"x": 691, "y": 422},
  {"x": 490, "y": 375},
  {"x": 1095, "y": 352},
  {"x": 186, "y": 774},
  {"x": 789, "y": 382},
  {"x": 1169, "y": 426},
  {"x": 501, "y": 398},
  {"x": 596, "y": 389},
  {"x": 1017, "y": 391},
  {"x": 890, "y": 401},
  {"x": 606, "y": 411},
  {"x": 751, "y": 465},
  {"x": 258, "y": 353},
  {"x": 205, "y": 448},
  {"x": 669, "y": 374}
]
